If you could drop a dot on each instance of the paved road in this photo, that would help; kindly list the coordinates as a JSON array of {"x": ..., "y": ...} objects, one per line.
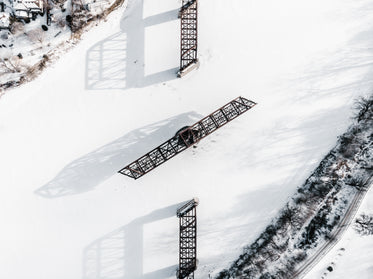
[{"x": 336, "y": 234}]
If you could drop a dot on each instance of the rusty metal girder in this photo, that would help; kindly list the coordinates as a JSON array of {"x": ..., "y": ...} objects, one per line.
[
  {"x": 187, "y": 239},
  {"x": 189, "y": 36},
  {"x": 187, "y": 137}
]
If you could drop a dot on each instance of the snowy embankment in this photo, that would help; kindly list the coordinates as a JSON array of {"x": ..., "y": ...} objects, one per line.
[
  {"x": 315, "y": 214},
  {"x": 352, "y": 256},
  {"x": 28, "y": 46},
  {"x": 65, "y": 211}
]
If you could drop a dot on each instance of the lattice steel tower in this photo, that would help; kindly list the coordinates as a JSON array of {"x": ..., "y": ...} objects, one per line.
[
  {"x": 189, "y": 36},
  {"x": 187, "y": 239}
]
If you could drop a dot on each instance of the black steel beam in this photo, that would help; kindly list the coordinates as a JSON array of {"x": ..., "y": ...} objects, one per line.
[
  {"x": 189, "y": 36},
  {"x": 187, "y": 137},
  {"x": 187, "y": 239}
]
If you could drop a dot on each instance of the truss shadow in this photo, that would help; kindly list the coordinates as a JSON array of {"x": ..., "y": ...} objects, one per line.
[
  {"x": 119, "y": 254},
  {"x": 106, "y": 63},
  {"x": 118, "y": 61},
  {"x": 88, "y": 171}
]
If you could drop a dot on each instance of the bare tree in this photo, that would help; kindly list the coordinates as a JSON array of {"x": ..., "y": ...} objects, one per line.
[
  {"x": 61, "y": 21},
  {"x": 363, "y": 106},
  {"x": 5, "y": 66},
  {"x": 36, "y": 36},
  {"x": 10, "y": 63}
]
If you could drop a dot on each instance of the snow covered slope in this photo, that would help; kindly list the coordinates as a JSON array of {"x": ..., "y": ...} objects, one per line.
[
  {"x": 352, "y": 256},
  {"x": 65, "y": 211}
]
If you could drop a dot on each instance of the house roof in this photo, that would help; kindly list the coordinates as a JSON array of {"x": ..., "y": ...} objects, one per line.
[{"x": 25, "y": 5}]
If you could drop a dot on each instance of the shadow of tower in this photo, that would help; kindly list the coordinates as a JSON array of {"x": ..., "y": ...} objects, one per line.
[
  {"x": 118, "y": 62},
  {"x": 119, "y": 254}
]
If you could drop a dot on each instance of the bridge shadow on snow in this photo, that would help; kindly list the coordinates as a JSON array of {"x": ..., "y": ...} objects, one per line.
[
  {"x": 85, "y": 173},
  {"x": 119, "y": 254},
  {"x": 118, "y": 62}
]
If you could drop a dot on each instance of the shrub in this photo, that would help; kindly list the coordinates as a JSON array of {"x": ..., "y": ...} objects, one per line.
[
  {"x": 17, "y": 27},
  {"x": 364, "y": 224},
  {"x": 61, "y": 21}
]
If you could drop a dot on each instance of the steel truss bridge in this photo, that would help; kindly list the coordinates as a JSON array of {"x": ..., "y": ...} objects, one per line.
[
  {"x": 189, "y": 36},
  {"x": 187, "y": 239},
  {"x": 186, "y": 137}
]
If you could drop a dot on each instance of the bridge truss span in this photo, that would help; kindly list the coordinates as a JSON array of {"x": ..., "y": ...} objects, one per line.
[
  {"x": 189, "y": 36},
  {"x": 187, "y": 239},
  {"x": 186, "y": 137}
]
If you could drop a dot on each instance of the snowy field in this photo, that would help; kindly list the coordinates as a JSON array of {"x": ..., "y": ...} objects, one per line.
[{"x": 65, "y": 211}]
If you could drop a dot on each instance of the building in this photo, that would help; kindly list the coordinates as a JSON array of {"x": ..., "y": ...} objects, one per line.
[{"x": 28, "y": 8}]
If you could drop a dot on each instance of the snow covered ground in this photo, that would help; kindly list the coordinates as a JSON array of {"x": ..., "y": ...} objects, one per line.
[
  {"x": 352, "y": 256},
  {"x": 29, "y": 42},
  {"x": 26, "y": 43},
  {"x": 65, "y": 211}
]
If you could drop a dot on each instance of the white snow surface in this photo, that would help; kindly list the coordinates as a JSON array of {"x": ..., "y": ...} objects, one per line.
[{"x": 66, "y": 213}]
